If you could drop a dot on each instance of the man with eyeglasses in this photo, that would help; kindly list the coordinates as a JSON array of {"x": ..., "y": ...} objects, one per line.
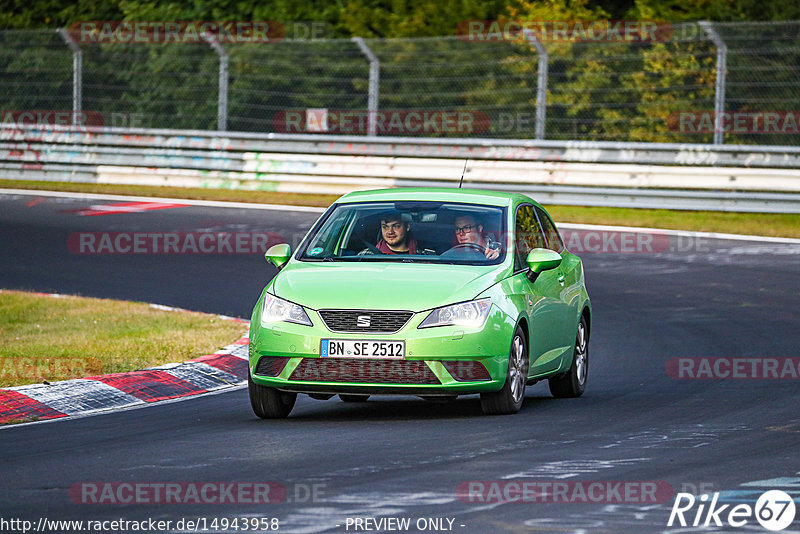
[
  {"x": 469, "y": 233},
  {"x": 395, "y": 236}
]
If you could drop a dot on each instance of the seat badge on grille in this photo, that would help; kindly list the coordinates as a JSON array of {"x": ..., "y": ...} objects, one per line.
[{"x": 373, "y": 321}]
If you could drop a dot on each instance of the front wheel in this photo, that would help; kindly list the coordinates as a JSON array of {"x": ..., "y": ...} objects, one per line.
[
  {"x": 509, "y": 399},
  {"x": 269, "y": 403},
  {"x": 573, "y": 383}
]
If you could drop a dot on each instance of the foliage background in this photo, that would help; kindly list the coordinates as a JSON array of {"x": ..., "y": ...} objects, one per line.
[{"x": 596, "y": 91}]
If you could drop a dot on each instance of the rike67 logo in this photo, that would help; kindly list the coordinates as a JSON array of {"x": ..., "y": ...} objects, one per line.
[{"x": 774, "y": 510}]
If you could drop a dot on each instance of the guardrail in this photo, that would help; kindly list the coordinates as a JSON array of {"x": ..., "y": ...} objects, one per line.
[{"x": 672, "y": 176}]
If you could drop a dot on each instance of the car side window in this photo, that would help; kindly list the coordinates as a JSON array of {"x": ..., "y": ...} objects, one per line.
[
  {"x": 327, "y": 234},
  {"x": 554, "y": 241},
  {"x": 527, "y": 235}
]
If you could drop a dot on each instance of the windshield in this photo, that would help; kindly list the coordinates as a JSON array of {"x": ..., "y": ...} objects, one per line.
[{"x": 410, "y": 231}]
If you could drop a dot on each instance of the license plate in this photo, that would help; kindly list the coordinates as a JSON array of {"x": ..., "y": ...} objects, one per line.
[{"x": 357, "y": 348}]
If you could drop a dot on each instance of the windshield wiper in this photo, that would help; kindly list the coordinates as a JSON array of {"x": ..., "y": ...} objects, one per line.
[{"x": 309, "y": 258}]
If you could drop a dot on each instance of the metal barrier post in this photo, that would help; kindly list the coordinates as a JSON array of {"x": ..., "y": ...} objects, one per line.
[
  {"x": 374, "y": 77},
  {"x": 541, "y": 82},
  {"x": 77, "y": 76},
  {"x": 719, "y": 98},
  {"x": 222, "y": 101}
]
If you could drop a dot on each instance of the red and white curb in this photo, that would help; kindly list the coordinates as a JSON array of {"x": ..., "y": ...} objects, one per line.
[
  {"x": 226, "y": 368},
  {"x": 83, "y": 396},
  {"x": 127, "y": 207}
]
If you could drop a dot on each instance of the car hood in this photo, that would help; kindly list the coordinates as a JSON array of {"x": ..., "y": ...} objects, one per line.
[{"x": 396, "y": 286}]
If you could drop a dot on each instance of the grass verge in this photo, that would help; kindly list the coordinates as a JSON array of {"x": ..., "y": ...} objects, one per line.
[
  {"x": 227, "y": 195},
  {"x": 763, "y": 224},
  {"x": 48, "y": 339},
  {"x": 767, "y": 224}
]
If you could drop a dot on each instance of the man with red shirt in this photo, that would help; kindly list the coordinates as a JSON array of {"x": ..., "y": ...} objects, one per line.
[{"x": 395, "y": 236}]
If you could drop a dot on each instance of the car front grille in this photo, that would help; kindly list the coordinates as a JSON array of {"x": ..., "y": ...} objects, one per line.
[
  {"x": 380, "y": 321},
  {"x": 364, "y": 371}
]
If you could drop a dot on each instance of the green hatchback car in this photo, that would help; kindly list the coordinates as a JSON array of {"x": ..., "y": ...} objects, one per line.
[{"x": 422, "y": 291}]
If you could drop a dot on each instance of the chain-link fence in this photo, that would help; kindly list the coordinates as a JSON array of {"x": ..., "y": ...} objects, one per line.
[{"x": 740, "y": 80}]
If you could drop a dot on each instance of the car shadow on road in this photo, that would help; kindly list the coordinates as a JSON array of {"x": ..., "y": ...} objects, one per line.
[{"x": 398, "y": 409}]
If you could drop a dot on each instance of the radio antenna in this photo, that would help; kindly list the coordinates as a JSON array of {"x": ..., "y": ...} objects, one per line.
[{"x": 462, "y": 173}]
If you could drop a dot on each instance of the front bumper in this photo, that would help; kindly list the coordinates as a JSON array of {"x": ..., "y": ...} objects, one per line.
[{"x": 442, "y": 360}]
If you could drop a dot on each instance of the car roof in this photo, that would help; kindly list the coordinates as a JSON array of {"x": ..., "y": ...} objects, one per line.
[{"x": 437, "y": 194}]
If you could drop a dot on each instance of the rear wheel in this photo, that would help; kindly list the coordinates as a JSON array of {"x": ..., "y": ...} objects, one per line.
[
  {"x": 269, "y": 403},
  {"x": 353, "y": 397},
  {"x": 573, "y": 383},
  {"x": 509, "y": 399}
]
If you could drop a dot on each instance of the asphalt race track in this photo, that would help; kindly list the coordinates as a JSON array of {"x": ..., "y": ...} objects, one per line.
[{"x": 402, "y": 457}]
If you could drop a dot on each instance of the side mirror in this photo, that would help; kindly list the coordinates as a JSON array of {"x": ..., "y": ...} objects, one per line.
[
  {"x": 278, "y": 255},
  {"x": 542, "y": 259}
]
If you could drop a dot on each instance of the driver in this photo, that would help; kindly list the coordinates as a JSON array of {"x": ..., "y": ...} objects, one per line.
[
  {"x": 396, "y": 236},
  {"x": 469, "y": 231}
]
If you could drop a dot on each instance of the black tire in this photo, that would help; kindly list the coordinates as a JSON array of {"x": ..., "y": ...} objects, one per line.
[
  {"x": 573, "y": 382},
  {"x": 353, "y": 397},
  {"x": 509, "y": 399},
  {"x": 269, "y": 403}
]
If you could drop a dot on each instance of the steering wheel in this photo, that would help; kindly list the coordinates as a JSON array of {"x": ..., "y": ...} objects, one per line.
[
  {"x": 470, "y": 246},
  {"x": 467, "y": 247}
]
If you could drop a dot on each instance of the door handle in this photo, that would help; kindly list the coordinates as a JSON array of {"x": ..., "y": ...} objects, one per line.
[{"x": 561, "y": 279}]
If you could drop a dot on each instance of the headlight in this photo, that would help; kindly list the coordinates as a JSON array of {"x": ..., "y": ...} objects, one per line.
[
  {"x": 275, "y": 310},
  {"x": 470, "y": 314}
]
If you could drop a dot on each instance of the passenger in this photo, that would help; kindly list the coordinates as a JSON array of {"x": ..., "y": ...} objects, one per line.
[
  {"x": 396, "y": 236},
  {"x": 469, "y": 231}
]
